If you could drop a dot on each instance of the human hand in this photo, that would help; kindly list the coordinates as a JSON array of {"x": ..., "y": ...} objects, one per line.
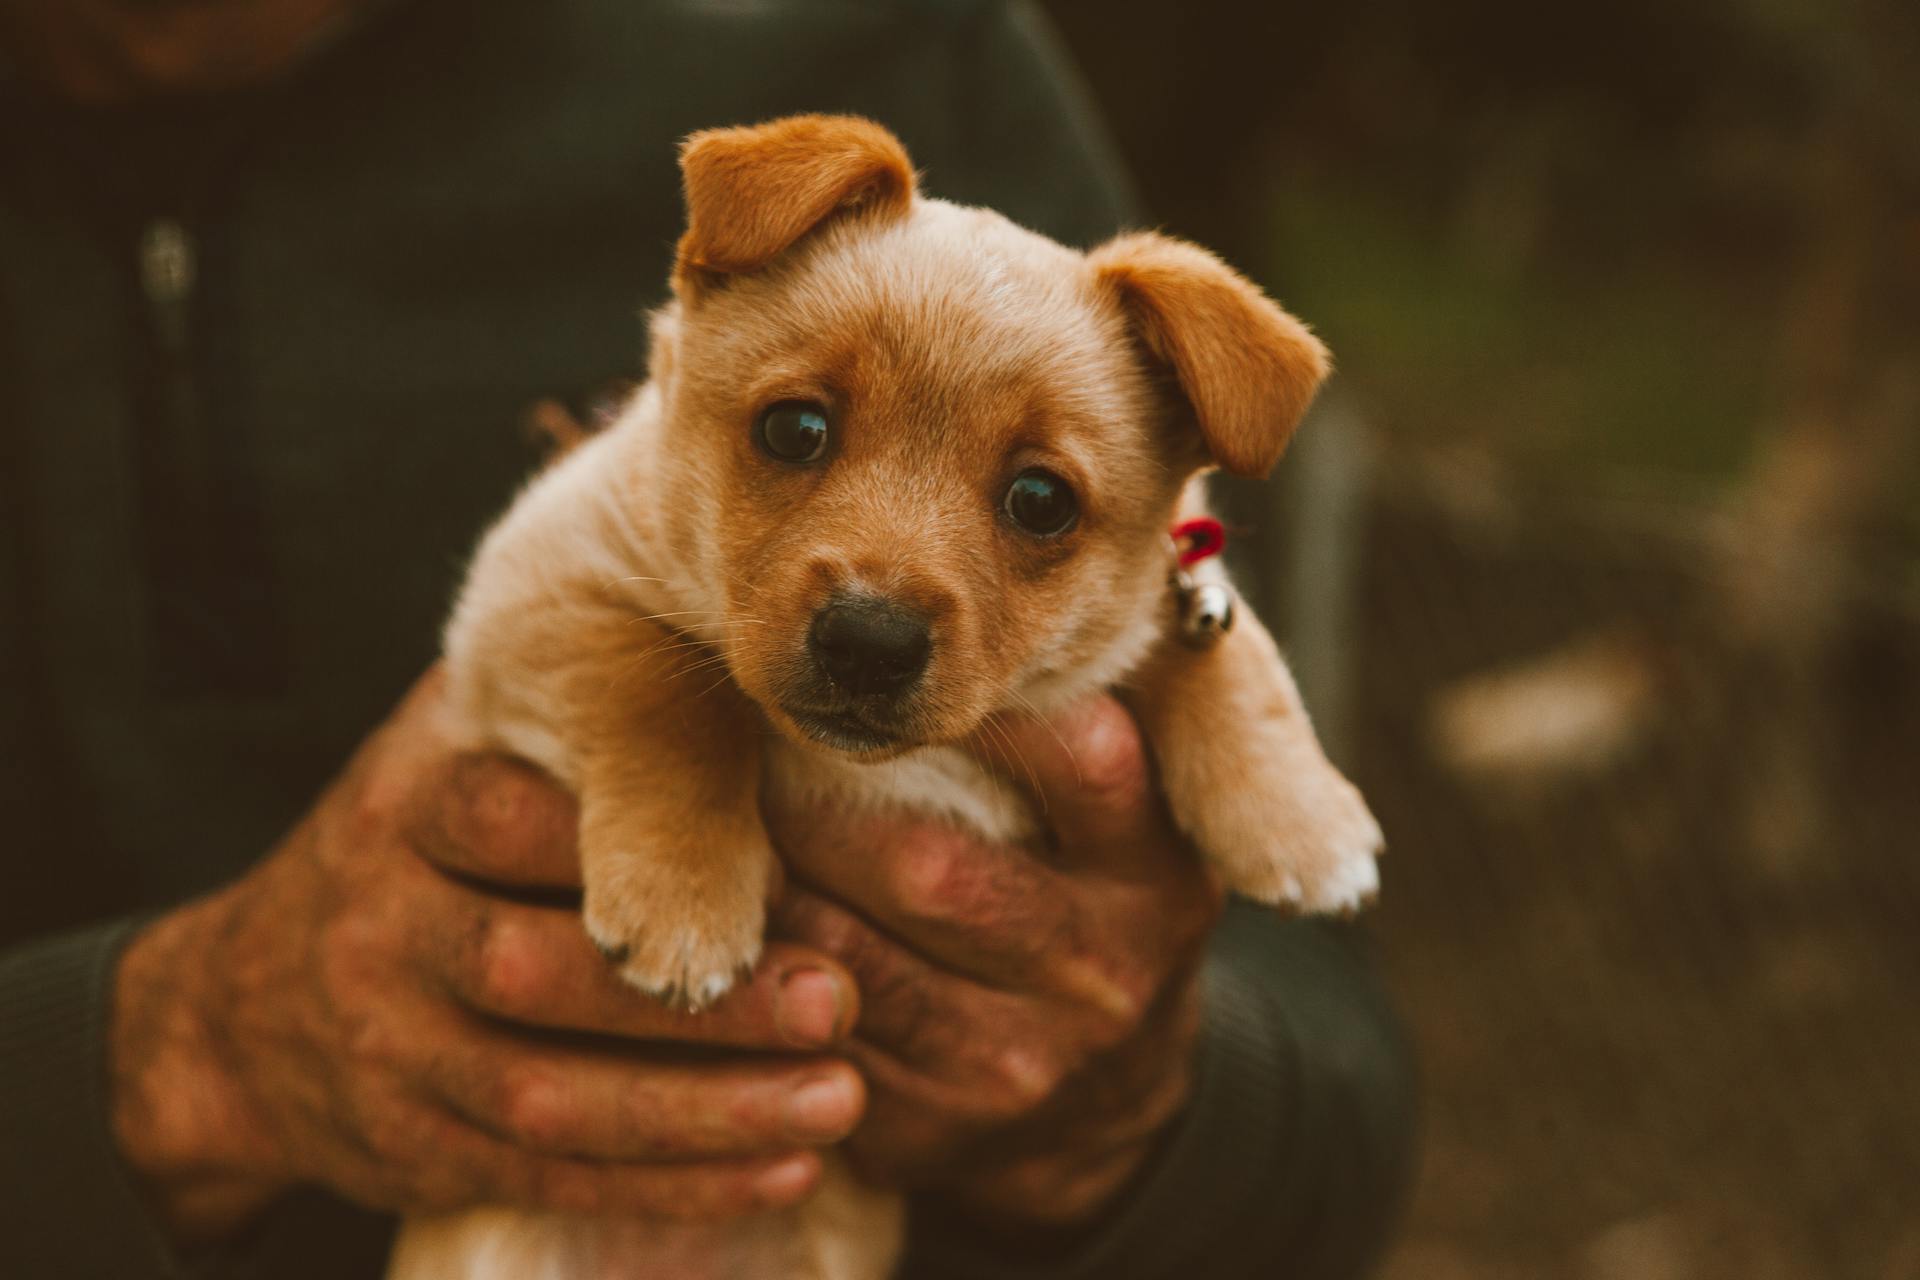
[
  {"x": 1028, "y": 1017},
  {"x": 400, "y": 1004}
]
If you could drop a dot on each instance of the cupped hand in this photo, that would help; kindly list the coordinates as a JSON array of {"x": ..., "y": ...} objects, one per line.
[
  {"x": 400, "y": 1004},
  {"x": 1028, "y": 1015}
]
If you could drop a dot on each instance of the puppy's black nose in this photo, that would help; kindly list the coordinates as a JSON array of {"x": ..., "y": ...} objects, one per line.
[{"x": 869, "y": 645}]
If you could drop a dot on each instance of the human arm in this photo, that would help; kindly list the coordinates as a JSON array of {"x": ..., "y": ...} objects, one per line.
[{"x": 368, "y": 1012}]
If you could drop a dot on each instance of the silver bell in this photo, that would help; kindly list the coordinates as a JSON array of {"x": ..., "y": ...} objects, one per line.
[{"x": 1206, "y": 613}]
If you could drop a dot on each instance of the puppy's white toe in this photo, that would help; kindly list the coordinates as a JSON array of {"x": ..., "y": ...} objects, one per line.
[
  {"x": 685, "y": 967},
  {"x": 1348, "y": 885},
  {"x": 694, "y": 977}
]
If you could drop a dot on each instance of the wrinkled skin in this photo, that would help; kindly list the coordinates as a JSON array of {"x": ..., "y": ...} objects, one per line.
[
  {"x": 372, "y": 1008},
  {"x": 1028, "y": 1022},
  {"x": 363, "y": 1011}
]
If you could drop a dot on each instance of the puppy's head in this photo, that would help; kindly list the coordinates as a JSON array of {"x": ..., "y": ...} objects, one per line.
[{"x": 922, "y": 462}]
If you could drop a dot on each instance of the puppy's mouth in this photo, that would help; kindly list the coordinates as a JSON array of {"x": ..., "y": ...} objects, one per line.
[{"x": 845, "y": 729}]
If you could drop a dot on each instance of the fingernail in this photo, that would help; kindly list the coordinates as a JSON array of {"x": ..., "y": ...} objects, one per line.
[
  {"x": 822, "y": 1109},
  {"x": 809, "y": 1008},
  {"x": 788, "y": 1180}
]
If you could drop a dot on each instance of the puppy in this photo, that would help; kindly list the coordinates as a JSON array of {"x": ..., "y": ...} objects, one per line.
[{"x": 898, "y": 465}]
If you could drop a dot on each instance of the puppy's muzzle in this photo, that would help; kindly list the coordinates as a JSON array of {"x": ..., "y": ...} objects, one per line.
[{"x": 869, "y": 645}]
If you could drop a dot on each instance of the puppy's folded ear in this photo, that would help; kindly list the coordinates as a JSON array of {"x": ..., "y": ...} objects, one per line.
[
  {"x": 1247, "y": 368},
  {"x": 752, "y": 192}
]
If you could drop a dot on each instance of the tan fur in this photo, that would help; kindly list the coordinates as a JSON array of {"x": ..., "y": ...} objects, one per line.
[
  {"x": 752, "y": 192},
  {"x": 637, "y": 622},
  {"x": 1248, "y": 368},
  {"x": 845, "y": 1229}
]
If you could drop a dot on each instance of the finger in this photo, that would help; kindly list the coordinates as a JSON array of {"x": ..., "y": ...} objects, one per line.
[
  {"x": 957, "y": 1029},
  {"x": 494, "y": 1171},
  {"x": 984, "y": 910},
  {"x": 497, "y": 819},
  {"x": 536, "y": 966},
  {"x": 722, "y": 1189},
  {"x": 908, "y": 1004},
  {"x": 1092, "y": 780},
  {"x": 628, "y": 1108},
  {"x": 925, "y": 1118},
  {"x": 679, "y": 1192}
]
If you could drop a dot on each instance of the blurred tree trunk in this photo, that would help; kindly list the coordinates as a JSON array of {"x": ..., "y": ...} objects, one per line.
[{"x": 1825, "y": 470}]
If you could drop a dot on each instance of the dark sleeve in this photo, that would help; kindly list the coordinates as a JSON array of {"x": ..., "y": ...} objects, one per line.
[
  {"x": 70, "y": 1208},
  {"x": 1031, "y": 142},
  {"x": 1293, "y": 1156}
]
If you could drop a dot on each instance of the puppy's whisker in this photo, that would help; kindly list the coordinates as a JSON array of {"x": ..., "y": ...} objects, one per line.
[
  {"x": 1012, "y": 760},
  {"x": 707, "y": 663},
  {"x": 674, "y": 640},
  {"x": 725, "y": 620},
  {"x": 1026, "y": 767},
  {"x": 724, "y": 677},
  {"x": 1026, "y": 704},
  {"x": 614, "y": 582}
]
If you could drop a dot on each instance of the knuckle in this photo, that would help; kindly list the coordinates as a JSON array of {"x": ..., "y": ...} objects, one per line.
[
  {"x": 511, "y": 972},
  {"x": 1023, "y": 1079},
  {"x": 941, "y": 877},
  {"x": 533, "y": 1109},
  {"x": 373, "y": 812},
  {"x": 350, "y": 956},
  {"x": 495, "y": 800},
  {"x": 1119, "y": 1015},
  {"x": 927, "y": 877},
  {"x": 508, "y": 808},
  {"x": 371, "y": 1044},
  {"x": 1108, "y": 752}
]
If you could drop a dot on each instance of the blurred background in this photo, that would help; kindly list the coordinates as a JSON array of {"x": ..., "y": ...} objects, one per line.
[{"x": 1601, "y": 566}]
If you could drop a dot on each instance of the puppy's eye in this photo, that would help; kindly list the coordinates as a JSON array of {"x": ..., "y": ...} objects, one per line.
[
  {"x": 792, "y": 431},
  {"x": 1041, "y": 503}
]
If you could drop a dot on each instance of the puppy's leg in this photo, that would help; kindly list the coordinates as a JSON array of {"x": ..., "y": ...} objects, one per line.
[
  {"x": 674, "y": 858},
  {"x": 849, "y": 1230},
  {"x": 1245, "y": 776}
]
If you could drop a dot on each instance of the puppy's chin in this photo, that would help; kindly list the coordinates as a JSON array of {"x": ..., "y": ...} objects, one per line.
[
  {"x": 869, "y": 731},
  {"x": 845, "y": 732}
]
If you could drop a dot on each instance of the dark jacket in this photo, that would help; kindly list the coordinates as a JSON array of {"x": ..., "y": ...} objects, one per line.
[{"x": 264, "y": 361}]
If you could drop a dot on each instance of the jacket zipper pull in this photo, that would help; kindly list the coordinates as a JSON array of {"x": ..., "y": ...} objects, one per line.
[{"x": 167, "y": 270}]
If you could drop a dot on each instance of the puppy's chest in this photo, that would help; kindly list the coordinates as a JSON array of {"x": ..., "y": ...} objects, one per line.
[{"x": 935, "y": 782}]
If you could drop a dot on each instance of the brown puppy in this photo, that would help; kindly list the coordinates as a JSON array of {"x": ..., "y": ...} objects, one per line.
[{"x": 899, "y": 465}]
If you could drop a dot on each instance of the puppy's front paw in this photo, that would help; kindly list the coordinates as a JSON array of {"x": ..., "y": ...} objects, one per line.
[
  {"x": 1305, "y": 844},
  {"x": 684, "y": 929}
]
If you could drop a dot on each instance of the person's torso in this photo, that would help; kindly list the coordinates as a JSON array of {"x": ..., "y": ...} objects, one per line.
[{"x": 265, "y": 365}]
